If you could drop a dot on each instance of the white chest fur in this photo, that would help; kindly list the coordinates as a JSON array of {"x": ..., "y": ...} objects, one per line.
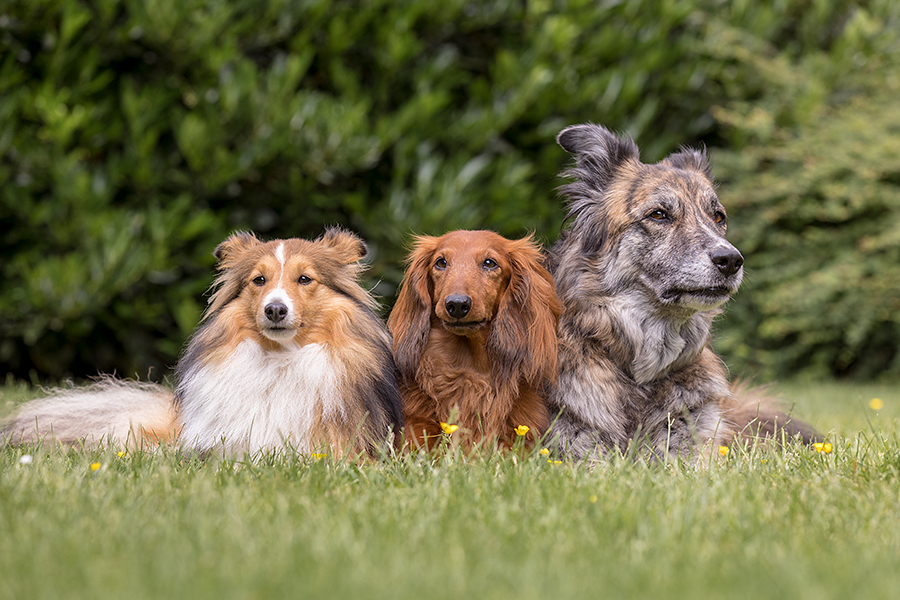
[{"x": 258, "y": 400}]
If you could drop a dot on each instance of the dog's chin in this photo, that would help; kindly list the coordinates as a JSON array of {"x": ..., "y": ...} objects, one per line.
[
  {"x": 279, "y": 334},
  {"x": 464, "y": 328},
  {"x": 697, "y": 300}
]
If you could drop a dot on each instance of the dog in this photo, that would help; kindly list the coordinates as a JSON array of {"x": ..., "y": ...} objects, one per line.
[
  {"x": 642, "y": 267},
  {"x": 474, "y": 329},
  {"x": 289, "y": 355}
]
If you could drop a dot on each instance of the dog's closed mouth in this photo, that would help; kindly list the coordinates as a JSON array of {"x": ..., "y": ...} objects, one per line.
[
  {"x": 463, "y": 326},
  {"x": 717, "y": 292},
  {"x": 278, "y": 332}
]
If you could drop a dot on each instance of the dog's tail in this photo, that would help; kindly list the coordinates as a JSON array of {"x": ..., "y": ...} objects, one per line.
[
  {"x": 755, "y": 415},
  {"x": 111, "y": 411}
]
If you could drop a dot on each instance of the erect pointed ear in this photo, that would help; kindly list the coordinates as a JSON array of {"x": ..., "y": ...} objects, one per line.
[
  {"x": 690, "y": 159},
  {"x": 234, "y": 246},
  {"x": 523, "y": 339},
  {"x": 349, "y": 246},
  {"x": 410, "y": 319}
]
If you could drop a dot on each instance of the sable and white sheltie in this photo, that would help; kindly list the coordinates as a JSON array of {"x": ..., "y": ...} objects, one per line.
[{"x": 290, "y": 354}]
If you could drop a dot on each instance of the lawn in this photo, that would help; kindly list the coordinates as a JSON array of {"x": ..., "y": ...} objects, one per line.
[{"x": 756, "y": 524}]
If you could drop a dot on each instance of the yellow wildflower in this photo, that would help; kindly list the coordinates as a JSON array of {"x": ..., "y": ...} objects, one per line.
[
  {"x": 318, "y": 456},
  {"x": 592, "y": 498},
  {"x": 522, "y": 429},
  {"x": 723, "y": 450},
  {"x": 545, "y": 451},
  {"x": 876, "y": 403},
  {"x": 554, "y": 462},
  {"x": 822, "y": 448},
  {"x": 449, "y": 429},
  {"x": 95, "y": 466},
  {"x": 120, "y": 453}
]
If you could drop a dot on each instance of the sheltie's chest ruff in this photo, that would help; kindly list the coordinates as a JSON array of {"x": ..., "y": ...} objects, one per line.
[{"x": 259, "y": 400}]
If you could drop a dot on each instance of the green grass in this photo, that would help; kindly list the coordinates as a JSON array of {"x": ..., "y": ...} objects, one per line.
[{"x": 757, "y": 524}]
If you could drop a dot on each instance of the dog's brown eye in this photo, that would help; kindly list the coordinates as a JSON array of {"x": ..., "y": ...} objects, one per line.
[
  {"x": 720, "y": 217},
  {"x": 259, "y": 280},
  {"x": 440, "y": 264},
  {"x": 659, "y": 215},
  {"x": 304, "y": 280},
  {"x": 489, "y": 263}
]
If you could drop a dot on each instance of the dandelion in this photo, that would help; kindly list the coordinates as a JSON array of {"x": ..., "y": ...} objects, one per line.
[
  {"x": 521, "y": 430},
  {"x": 448, "y": 429},
  {"x": 723, "y": 450},
  {"x": 876, "y": 403},
  {"x": 26, "y": 459},
  {"x": 822, "y": 448},
  {"x": 95, "y": 466},
  {"x": 545, "y": 451}
]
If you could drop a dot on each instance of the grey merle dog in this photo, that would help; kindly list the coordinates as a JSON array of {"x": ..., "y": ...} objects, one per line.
[{"x": 642, "y": 269}]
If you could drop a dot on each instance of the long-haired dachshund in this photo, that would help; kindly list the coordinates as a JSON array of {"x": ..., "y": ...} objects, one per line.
[{"x": 474, "y": 331}]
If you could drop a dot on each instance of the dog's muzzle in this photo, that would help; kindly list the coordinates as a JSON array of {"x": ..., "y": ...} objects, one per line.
[{"x": 727, "y": 260}]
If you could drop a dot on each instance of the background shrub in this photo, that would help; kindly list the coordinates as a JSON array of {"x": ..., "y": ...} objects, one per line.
[
  {"x": 813, "y": 170},
  {"x": 136, "y": 134}
]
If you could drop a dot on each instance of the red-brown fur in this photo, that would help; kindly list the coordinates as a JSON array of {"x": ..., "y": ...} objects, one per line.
[{"x": 485, "y": 371}]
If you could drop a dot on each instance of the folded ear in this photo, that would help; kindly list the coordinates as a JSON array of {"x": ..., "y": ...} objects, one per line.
[
  {"x": 233, "y": 247},
  {"x": 690, "y": 159},
  {"x": 410, "y": 319},
  {"x": 597, "y": 151},
  {"x": 523, "y": 340},
  {"x": 599, "y": 155},
  {"x": 230, "y": 281},
  {"x": 349, "y": 246}
]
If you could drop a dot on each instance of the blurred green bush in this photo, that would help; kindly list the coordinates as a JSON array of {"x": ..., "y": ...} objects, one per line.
[
  {"x": 136, "y": 134},
  {"x": 812, "y": 171}
]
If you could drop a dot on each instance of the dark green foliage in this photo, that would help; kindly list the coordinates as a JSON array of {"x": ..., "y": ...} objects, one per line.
[
  {"x": 135, "y": 135},
  {"x": 813, "y": 183},
  {"x": 821, "y": 223}
]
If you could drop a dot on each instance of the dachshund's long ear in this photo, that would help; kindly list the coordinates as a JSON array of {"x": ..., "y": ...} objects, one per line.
[
  {"x": 410, "y": 319},
  {"x": 523, "y": 334}
]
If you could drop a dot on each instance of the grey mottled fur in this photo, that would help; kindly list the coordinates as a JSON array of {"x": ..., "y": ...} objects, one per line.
[{"x": 642, "y": 269}]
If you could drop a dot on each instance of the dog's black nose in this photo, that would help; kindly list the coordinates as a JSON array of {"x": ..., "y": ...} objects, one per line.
[
  {"x": 458, "y": 305},
  {"x": 276, "y": 312},
  {"x": 728, "y": 260}
]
